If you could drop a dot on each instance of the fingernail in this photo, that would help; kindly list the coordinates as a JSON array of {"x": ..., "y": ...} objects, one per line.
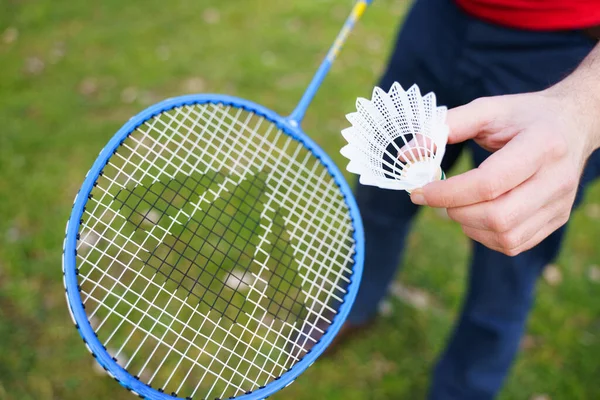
[{"x": 416, "y": 196}]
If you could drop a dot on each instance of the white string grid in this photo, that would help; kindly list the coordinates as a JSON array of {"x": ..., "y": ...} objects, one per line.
[{"x": 211, "y": 241}]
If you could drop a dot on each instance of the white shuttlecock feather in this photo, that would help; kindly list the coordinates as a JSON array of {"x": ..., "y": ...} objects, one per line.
[{"x": 397, "y": 139}]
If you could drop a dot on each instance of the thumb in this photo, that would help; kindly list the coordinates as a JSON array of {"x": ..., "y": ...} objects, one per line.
[{"x": 468, "y": 121}]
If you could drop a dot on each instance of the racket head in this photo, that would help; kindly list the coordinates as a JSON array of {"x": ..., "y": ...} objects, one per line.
[{"x": 70, "y": 264}]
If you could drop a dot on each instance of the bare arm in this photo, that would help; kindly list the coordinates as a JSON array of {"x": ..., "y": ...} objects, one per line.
[{"x": 581, "y": 90}]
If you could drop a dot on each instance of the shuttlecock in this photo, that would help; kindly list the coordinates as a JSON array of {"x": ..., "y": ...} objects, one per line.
[{"x": 397, "y": 139}]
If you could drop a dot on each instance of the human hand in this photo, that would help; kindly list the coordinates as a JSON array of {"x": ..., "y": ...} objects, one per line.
[{"x": 525, "y": 190}]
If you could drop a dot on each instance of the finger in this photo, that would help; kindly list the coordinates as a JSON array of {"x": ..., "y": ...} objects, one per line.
[
  {"x": 499, "y": 173},
  {"x": 509, "y": 210},
  {"x": 540, "y": 236},
  {"x": 516, "y": 239},
  {"x": 536, "y": 239},
  {"x": 468, "y": 121}
]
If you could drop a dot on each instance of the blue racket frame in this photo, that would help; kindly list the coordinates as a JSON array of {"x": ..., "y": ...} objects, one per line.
[{"x": 290, "y": 126}]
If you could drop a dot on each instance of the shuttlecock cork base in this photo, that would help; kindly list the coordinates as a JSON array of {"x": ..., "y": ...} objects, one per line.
[
  {"x": 397, "y": 139},
  {"x": 439, "y": 176}
]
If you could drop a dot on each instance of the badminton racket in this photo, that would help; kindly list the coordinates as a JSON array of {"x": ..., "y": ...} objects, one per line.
[{"x": 213, "y": 250}]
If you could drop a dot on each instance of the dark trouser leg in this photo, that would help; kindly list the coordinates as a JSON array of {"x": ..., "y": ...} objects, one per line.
[
  {"x": 387, "y": 214},
  {"x": 501, "y": 289},
  {"x": 486, "y": 338},
  {"x": 500, "y": 295}
]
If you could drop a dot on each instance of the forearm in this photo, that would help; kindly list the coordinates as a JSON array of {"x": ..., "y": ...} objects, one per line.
[{"x": 580, "y": 92}]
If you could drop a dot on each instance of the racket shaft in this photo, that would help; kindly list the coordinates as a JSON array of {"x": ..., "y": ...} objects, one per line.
[{"x": 358, "y": 10}]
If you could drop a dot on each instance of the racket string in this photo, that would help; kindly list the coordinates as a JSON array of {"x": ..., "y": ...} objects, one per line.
[
  {"x": 138, "y": 166},
  {"x": 303, "y": 212}
]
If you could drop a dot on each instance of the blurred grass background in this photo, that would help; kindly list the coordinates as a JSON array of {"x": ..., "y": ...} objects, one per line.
[{"x": 71, "y": 73}]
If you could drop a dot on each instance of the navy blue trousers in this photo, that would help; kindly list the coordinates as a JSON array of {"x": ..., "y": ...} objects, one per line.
[{"x": 461, "y": 58}]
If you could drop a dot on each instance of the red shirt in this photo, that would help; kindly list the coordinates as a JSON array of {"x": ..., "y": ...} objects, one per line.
[{"x": 536, "y": 14}]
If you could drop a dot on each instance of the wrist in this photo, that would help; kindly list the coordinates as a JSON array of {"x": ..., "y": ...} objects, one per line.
[{"x": 579, "y": 101}]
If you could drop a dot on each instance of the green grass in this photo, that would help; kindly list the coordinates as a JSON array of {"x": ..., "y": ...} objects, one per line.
[{"x": 73, "y": 72}]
